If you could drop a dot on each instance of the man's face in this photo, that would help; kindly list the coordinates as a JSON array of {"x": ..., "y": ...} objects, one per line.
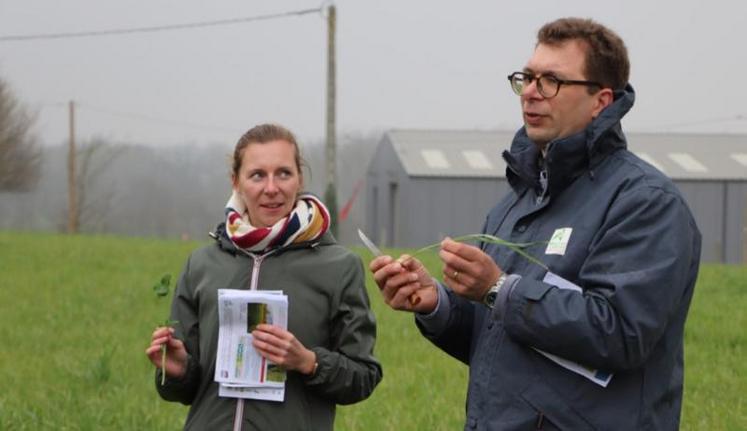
[{"x": 573, "y": 108}]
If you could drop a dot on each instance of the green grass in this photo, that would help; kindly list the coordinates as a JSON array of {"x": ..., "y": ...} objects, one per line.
[
  {"x": 715, "y": 348},
  {"x": 76, "y": 314}
]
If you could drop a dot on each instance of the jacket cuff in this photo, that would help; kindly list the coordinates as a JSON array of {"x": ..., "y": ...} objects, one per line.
[
  {"x": 323, "y": 367},
  {"x": 437, "y": 319},
  {"x": 177, "y": 384},
  {"x": 501, "y": 300}
]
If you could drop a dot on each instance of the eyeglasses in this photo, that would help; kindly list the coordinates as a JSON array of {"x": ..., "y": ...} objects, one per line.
[{"x": 547, "y": 85}]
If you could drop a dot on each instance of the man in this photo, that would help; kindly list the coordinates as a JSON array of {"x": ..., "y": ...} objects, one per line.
[{"x": 619, "y": 244}]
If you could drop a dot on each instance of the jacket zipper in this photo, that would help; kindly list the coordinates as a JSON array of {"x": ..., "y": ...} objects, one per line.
[
  {"x": 238, "y": 418},
  {"x": 253, "y": 284},
  {"x": 543, "y": 183}
]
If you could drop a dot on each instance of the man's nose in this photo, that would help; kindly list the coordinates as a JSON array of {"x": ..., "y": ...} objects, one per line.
[{"x": 531, "y": 90}]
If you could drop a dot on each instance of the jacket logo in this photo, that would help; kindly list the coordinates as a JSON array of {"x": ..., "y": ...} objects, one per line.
[{"x": 559, "y": 241}]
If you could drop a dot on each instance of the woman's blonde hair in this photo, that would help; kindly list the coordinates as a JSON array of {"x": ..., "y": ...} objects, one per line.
[{"x": 261, "y": 134}]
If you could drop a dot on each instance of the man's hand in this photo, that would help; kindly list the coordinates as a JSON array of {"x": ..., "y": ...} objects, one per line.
[
  {"x": 399, "y": 279},
  {"x": 468, "y": 271}
]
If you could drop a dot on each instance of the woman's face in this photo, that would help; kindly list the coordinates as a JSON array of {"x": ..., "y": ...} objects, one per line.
[{"x": 268, "y": 181}]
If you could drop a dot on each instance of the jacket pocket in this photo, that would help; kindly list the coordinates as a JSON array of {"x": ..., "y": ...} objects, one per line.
[
  {"x": 307, "y": 410},
  {"x": 551, "y": 411}
]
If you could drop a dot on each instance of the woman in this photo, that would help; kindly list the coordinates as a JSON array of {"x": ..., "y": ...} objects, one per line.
[{"x": 274, "y": 238}]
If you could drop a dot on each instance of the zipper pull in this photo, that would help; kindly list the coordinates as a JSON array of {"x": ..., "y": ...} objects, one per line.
[{"x": 540, "y": 420}]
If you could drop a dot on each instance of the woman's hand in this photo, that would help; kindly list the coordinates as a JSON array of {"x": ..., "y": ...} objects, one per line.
[
  {"x": 176, "y": 354},
  {"x": 283, "y": 348}
]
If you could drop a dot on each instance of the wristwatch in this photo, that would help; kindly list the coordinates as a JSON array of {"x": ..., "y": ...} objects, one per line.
[{"x": 492, "y": 294}]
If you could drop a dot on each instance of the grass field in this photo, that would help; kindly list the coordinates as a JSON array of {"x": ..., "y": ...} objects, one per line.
[{"x": 76, "y": 314}]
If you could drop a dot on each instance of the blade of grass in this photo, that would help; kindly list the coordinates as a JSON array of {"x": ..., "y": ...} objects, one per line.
[
  {"x": 163, "y": 364},
  {"x": 517, "y": 247}
]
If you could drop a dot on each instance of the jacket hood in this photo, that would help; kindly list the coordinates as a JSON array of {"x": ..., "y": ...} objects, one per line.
[
  {"x": 569, "y": 157},
  {"x": 220, "y": 235}
]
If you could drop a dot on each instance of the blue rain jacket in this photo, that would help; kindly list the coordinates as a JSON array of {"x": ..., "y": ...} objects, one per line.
[{"x": 633, "y": 248}]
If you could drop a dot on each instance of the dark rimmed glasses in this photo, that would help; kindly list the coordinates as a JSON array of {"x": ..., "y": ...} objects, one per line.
[{"x": 547, "y": 85}]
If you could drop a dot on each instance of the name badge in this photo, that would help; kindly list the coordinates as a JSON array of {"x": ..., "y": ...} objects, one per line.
[{"x": 559, "y": 241}]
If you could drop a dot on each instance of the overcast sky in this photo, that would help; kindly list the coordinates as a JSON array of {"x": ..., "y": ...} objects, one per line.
[{"x": 401, "y": 64}]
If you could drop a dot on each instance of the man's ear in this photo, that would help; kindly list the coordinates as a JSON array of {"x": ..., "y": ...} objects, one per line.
[{"x": 604, "y": 98}]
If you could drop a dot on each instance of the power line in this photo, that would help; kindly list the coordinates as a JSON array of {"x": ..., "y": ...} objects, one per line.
[
  {"x": 129, "y": 115},
  {"x": 141, "y": 117},
  {"x": 169, "y": 27}
]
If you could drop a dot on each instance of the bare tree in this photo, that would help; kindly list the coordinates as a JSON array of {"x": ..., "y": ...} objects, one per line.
[
  {"x": 19, "y": 153},
  {"x": 95, "y": 195}
]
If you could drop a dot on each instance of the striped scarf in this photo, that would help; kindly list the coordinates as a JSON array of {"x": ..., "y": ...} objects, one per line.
[{"x": 309, "y": 220}]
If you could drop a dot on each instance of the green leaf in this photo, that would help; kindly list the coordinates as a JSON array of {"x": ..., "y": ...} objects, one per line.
[{"x": 162, "y": 287}]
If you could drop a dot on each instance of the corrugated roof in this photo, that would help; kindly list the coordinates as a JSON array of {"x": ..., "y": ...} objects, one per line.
[{"x": 472, "y": 153}]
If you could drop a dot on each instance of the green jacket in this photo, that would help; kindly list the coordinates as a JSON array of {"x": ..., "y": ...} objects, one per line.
[{"x": 328, "y": 311}]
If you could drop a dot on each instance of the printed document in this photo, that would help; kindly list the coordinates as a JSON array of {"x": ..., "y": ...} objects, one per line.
[{"x": 239, "y": 368}]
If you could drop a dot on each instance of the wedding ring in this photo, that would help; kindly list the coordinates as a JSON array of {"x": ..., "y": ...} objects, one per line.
[{"x": 455, "y": 275}]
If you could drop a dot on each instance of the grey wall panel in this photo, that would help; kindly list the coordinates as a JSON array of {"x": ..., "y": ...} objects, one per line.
[
  {"x": 431, "y": 218},
  {"x": 437, "y": 207},
  {"x": 383, "y": 170},
  {"x": 736, "y": 223},
  {"x": 405, "y": 191},
  {"x": 707, "y": 203}
]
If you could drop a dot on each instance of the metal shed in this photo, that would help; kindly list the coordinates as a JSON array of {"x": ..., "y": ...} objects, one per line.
[{"x": 424, "y": 184}]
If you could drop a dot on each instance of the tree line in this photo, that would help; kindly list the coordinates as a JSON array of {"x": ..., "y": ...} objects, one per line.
[{"x": 139, "y": 190}]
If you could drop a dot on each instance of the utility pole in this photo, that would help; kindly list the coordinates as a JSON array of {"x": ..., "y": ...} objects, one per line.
[
  {"x": 330, "y": 195},
  {"x": 72, "y": 190}
]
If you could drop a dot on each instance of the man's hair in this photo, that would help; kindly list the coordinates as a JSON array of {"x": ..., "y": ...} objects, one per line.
[{"x": 606, "y": 55}]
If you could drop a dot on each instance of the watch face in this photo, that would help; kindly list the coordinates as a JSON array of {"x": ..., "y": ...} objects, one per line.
[{"x": 490, "y": 298}]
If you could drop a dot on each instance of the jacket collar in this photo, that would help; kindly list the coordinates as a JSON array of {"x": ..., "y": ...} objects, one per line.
[
  {"x": 220, "y": 236},
  {"x": 569, "y": 157}
]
